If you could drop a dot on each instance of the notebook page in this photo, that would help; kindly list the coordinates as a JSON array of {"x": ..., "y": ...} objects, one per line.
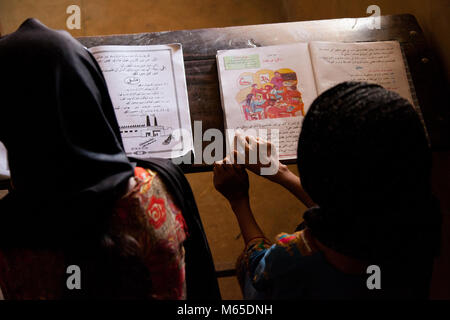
[
  {"x": 267, "y": 88},
  {"x": 374, "y": 62},
  {"x": 4, "y": 168},
  {"x": 147, "y": 86}
]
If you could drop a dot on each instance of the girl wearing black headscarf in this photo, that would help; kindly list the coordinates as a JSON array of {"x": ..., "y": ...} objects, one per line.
[
  {"x": 76, "y": 198},
  {"x": 364, "y": 164}
]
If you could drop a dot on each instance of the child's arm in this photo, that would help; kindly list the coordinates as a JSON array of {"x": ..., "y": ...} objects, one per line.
[
  {"x": 290, "y": 181},
  {"x": 249, "y": 227},
  {"x": 232, "y": 182}
]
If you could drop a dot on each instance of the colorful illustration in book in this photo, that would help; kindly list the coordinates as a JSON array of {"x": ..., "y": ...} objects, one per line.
[{"x": 268, "y": 94}]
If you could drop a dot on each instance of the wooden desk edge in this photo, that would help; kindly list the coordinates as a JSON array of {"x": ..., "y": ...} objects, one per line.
[{"x": 139, "y": 35}]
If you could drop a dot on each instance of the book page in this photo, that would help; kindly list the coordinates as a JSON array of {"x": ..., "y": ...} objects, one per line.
[
  {"x": 266, "y": 89},
  {"x": 375, "y": 62},
  {"x": 147, "y": 86},
  {"x": 4, "y": 168}
]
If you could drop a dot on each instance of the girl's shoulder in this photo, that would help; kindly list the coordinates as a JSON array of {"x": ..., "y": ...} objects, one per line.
[
  {"x": 149, "y": 205},
  {"x": 287, "y": 259},
  {"x": 291, "y": 253},
  {"x": 300, "y": 242}
]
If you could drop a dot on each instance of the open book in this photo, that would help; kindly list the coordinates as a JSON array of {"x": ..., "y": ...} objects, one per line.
[
  {"x": 147, "y": 86},
  {"x": 272, "y": 87}
]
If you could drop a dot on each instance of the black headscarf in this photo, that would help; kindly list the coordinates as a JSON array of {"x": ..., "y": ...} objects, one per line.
[
  {"x": 68, "y": 166},
  {"x": 364, "y": 158},
  {"x": 64, "y": 148}
]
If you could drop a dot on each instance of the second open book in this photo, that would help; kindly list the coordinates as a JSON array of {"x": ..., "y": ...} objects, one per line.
[{"x": 272, "y": 87}]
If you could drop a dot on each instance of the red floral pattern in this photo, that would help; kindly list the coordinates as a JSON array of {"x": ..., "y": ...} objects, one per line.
[
  {"x": 147, "y": 213},
  {"x": 165, "y": 233},
  {"x": 156, "y": 212}
]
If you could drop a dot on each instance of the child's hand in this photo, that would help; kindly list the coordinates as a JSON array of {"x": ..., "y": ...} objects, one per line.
[
  {"x": 259, "y": 156},
  {"x": 231, "y": 180}
]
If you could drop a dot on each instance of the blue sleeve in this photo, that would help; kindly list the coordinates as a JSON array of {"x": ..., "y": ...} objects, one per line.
[
  {"x": 268, "y": 264},
  {"x": 270, "y": 271}
]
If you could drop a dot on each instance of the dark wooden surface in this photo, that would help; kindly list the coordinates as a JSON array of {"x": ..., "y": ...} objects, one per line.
[{"x": 200, "y": 47}]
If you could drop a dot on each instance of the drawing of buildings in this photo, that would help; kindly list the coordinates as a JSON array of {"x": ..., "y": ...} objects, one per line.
[{"x": 149, "y": 129}]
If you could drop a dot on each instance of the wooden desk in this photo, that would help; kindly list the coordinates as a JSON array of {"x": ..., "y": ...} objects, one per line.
[{"x": 200, "y": 47}]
